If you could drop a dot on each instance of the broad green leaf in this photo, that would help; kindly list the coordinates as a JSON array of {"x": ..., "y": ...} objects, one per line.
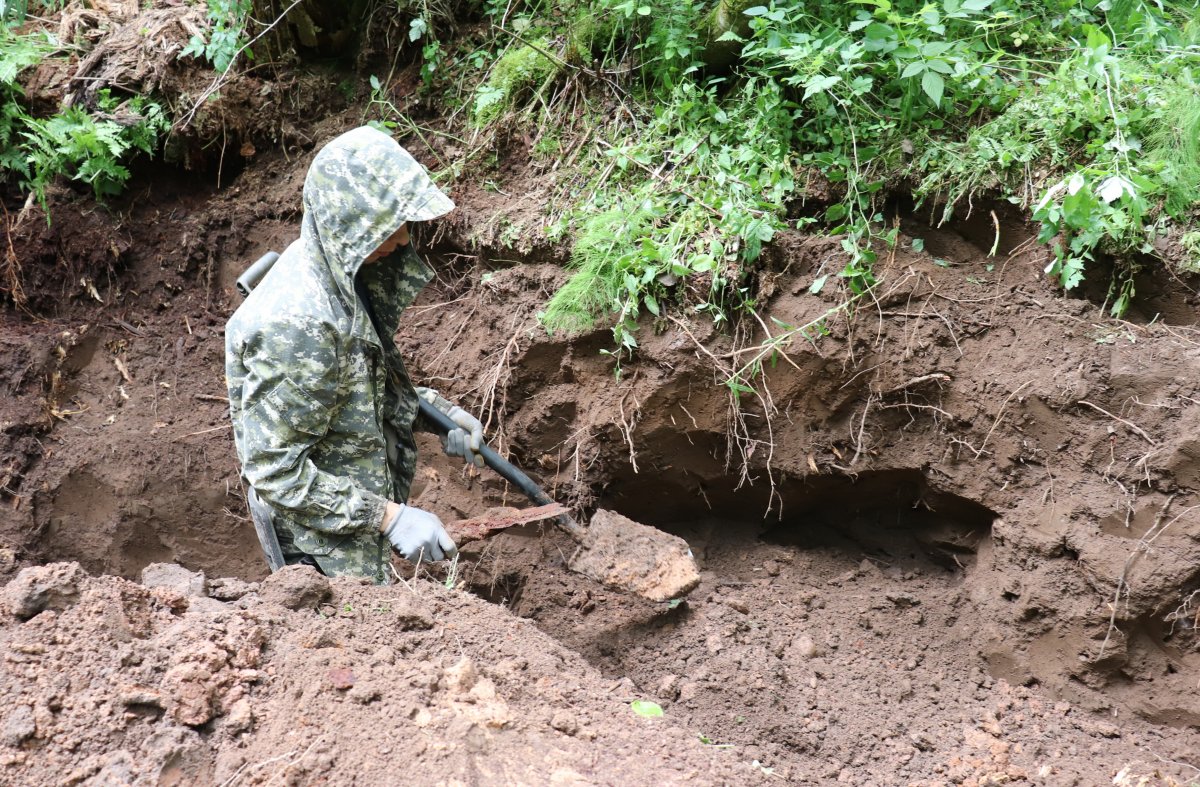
[
  {"x": 934, "y": 86},
  {"x": 646, "y": 708},
  {"x": 976, "y": 5},
  {"x": 912, "y": 69},
  {"x": 819, "y": 84},
  {"x": 818, "y": 284}
]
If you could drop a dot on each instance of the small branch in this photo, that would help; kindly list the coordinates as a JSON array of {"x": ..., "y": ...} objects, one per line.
[
  {"x": 202, "y": 431},
  {"x": 1137, "y": 429},
  {"x": 940, "y": 377}
]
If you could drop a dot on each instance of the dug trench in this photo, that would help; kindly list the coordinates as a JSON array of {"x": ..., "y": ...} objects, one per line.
[{"x": 954, "y": 540}]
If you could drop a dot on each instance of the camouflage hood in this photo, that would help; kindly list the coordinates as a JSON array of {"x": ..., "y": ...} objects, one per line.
[{"x": 360, "y": 188}]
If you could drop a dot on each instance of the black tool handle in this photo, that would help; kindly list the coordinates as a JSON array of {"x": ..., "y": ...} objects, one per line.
[{"x": 507, "y": 470}]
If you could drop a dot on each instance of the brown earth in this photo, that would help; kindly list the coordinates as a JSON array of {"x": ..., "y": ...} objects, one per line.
[
  {"x": 955, "y": 541},
  {"x": 297, "y": 680}
]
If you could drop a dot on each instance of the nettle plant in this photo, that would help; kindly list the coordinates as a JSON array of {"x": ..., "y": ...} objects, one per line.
[{"x": 226, "y": 35}]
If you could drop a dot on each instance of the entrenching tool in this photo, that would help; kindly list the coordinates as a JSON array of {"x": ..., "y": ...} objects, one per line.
[{"x": 613, "y": 550}]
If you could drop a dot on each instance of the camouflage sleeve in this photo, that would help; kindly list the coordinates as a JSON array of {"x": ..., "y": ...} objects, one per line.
[
  {"x": 420, "y": 424},
  {"x": 290, "y": 384}
]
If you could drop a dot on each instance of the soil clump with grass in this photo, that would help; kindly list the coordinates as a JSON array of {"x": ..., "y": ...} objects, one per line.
[{"x": 955, "y": 540}]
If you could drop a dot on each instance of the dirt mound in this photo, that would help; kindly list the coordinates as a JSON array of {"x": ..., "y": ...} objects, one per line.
[{"x": 298, "y": 679}]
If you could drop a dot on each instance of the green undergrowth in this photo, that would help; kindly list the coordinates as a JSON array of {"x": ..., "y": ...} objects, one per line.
[
  {"x": 85, "y": 145},
  {"x": 706, "y": 122}
]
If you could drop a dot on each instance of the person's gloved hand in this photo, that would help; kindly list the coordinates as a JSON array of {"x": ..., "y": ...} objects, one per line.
[
  {"x": 418, "y": 535},
  {"x": 466, "y": 440}
]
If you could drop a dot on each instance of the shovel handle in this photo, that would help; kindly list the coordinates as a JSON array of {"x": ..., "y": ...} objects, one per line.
[{"x": 507, "y": 470}]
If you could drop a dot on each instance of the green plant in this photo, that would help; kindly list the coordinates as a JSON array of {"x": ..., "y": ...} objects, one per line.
[
  {"x": 226, "y": 36},
  {"x": 89, "y": 148},
  {"x": 516, "y": 73},
  {"x": 647, "y": 709},
  {"x": 17, "y": 53},
  {"x": 1190, "y": 241}
]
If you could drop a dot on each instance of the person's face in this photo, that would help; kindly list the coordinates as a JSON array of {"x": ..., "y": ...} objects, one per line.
[{"x": 399, "y": 238}]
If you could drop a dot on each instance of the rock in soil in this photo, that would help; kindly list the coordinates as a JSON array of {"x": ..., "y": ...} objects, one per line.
[
  {"x": 39, "y": 588},
  {"x": 176, "y": 578},
  {"x": 630, "y": 556},
  {"x": 295, "y": 587}
]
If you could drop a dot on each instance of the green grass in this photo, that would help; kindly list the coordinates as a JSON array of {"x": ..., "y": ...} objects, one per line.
[{"x": 1087, "y": 117}]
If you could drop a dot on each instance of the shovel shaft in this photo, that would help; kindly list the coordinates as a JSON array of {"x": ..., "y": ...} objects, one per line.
[{"x": 507, "y": 470}]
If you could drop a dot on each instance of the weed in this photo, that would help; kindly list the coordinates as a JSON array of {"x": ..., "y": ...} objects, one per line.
[
  {"x": 516, "y": 74},
  {"x": 1190, "y": 241},
  {"x": 89, "y": 148},
  {"x": 451, "y": 574},
  {"x": 1087, "y": 115},
  {"x": 17, "y": 53},
  {"x": 227, "y": 34}
]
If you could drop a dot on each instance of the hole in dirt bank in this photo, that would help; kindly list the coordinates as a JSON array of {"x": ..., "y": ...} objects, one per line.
[
  {"x": 810, "y": 632},
  {"x": 885, "y": 515}
]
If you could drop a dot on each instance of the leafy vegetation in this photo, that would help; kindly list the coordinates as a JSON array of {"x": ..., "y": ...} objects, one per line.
[
  {"x": 84, "y": 146},
  {"x": 699, "y": 129},
  {"x": 516, "y": 73},
  {"x": 88, "y": 147},
  {"x": 226, "y": 36},
  {"x": 1085, "y": 113},
  {"x": 17, "y": 53}
]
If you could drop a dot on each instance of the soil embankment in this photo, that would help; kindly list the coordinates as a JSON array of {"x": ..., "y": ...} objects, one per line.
[{"x": 954, "y": 540}]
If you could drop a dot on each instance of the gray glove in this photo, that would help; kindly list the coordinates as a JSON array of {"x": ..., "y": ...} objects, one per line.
[
  {"x": 419, "y": 535},
  {"x": 466, "y": 440}
]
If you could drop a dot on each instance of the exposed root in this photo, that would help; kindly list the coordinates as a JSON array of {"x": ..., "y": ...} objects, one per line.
[
  {"x": 999, "y": 415},
  {"x": 10, "y": 271},
  {"x": 1132, "y": 426},
  {"x": 1143, "y": 546}
]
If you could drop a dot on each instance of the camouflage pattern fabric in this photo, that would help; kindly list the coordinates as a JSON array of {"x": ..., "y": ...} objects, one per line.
[{"x": 323, "y": 410}]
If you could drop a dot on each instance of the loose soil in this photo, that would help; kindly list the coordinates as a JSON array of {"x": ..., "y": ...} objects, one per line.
[{"x": 955, "y": 541}]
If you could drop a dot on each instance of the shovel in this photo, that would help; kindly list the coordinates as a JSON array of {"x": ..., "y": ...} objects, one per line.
[{"x": 613, "y": 550}]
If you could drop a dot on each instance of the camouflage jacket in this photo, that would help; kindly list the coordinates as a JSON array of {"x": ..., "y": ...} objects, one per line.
[{"x": 315, "y": 392}]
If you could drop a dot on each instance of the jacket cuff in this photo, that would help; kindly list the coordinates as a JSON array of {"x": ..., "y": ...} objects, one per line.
[{"x": 374, "y": 507}]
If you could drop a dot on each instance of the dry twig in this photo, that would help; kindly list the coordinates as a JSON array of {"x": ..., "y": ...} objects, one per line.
[
  {"x": 1142, "y": 547},
  {"x": 1134, "y": 427}
]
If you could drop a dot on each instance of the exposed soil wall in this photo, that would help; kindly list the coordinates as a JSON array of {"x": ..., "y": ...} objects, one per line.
[{"x": 956, "y": 539}]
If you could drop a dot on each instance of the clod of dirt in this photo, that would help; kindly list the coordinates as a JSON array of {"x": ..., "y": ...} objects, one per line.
[
  {"x": 175, "y": 578},
  {"x": 230, "y": 588},
  {"x": 295, "y": 587},
  {"x": 39, "y": 588},
  {"x": 621, "y": 553},
  {"x": 19, "y": 727}
]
